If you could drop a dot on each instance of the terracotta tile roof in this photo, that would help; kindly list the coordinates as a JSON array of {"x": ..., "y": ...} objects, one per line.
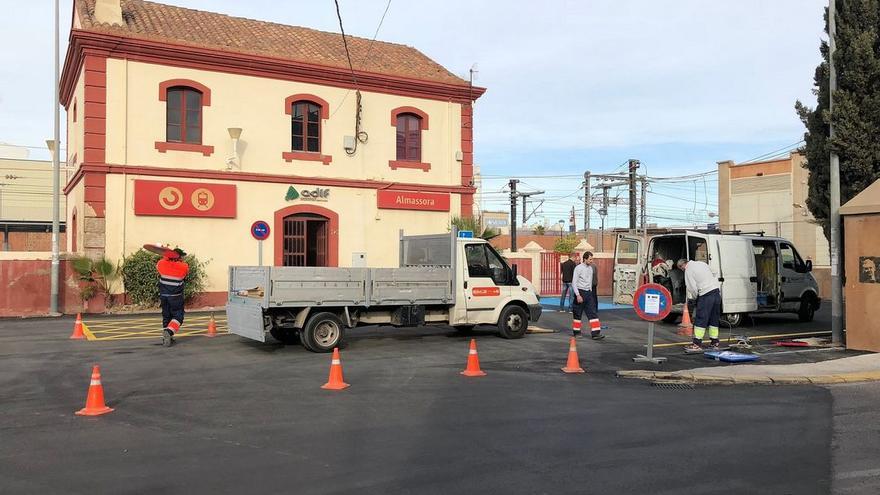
[{"x": 166, "y": 23}]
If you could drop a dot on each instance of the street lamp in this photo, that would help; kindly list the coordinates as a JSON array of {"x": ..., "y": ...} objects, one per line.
[
  {"x": 561, "y": 226},
  {"x": 235, "y": 134}
]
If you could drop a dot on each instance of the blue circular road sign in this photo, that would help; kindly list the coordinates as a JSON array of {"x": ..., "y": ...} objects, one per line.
[
  {"x": 652, "y": 302},
  {"x": 260, "y": 230}
]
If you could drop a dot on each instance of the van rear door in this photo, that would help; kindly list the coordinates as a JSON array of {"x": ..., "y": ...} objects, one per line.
[
  {"x": 627, "y": 268},
  {"x": 735, "y": 262}
]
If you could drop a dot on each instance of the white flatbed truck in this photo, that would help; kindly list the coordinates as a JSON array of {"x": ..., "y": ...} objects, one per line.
[{"x": 443, "y": 279}]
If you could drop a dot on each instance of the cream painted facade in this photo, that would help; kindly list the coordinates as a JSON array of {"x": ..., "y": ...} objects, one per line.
[
  {"x": 135, "y": 120},
  {"x": 771, "y": 197},
  {"x": 26, "y": 190}
]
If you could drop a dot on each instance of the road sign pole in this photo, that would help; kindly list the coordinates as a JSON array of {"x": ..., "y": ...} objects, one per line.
[
  {"x": 260, "y": 252},
  {"x": 641, "y": 358}
]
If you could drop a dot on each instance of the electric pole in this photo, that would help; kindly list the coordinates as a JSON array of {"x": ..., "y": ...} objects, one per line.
[
  {"x": 602, "y": 213},
  {"x": 54, "y": 269},
  {"x": 834, "y": 177},
  {"x": 587, "y": 200},
  {"x": 633, "y": 166},
  {"x": 644, "y": 206},
  {"x": 513, "y": 197}
]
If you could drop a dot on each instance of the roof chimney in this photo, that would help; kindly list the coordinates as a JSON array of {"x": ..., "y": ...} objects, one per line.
[{"x": 109, "y": 12}]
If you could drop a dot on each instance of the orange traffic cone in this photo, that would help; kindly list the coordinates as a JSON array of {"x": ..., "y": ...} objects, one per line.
[
  {"x": 574, "y": 364},
  {"x": 473, "y": 362},
  {"x": 78, "y": 328},
  {"x": 212, "y": 327},
  {"x": 686, "y": 328},
  {"x": 335, "y": 381},
  {"x": 95, "y": 400}
]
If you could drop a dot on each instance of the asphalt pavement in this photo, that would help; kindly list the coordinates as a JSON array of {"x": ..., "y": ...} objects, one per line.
[{"x": 229, "y": 415}]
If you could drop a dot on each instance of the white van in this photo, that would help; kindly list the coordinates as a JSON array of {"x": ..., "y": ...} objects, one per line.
[{"x": 758, "y": 274}]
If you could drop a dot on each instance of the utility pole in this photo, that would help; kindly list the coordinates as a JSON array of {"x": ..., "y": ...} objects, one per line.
[
  {"x": 587, "y": 201},
  {"x": 602, "y": 213},
  {"x": 834, "y": 177},
  {"x": 633, "y": 166},
  {"x": 644, "y": 206},
  {"x": 513, "y": 197},
  {"x": 56, "y": 186}
]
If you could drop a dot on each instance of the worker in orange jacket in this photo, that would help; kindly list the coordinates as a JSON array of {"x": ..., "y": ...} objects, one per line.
[{"x": 172, "y": 274}]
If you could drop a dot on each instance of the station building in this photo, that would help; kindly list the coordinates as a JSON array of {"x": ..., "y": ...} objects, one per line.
[{"x": 186, "y": 127}]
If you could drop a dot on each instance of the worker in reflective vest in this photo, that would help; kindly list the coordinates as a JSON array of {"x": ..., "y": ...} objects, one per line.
[{"x": 172, "y": 274}]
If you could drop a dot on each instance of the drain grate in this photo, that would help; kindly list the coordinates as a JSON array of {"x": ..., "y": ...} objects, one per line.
[{"x": 673, "y": 385}]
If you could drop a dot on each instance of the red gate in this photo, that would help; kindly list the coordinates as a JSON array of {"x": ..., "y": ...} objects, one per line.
[
  {"x": 551, "y": 278},
  {"x": 523, "y": 267}
]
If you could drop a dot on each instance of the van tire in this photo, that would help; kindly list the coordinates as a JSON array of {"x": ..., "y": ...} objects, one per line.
[
  {"x": 807, "y": 309},
  {"x": 322, "y": 332},
  {"x": 513, "y": 323},
  {"x": 732, "y": 320}
]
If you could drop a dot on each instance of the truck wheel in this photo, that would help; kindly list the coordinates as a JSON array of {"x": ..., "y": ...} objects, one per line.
[
  {"x": 322, "y": 333},
  {"x": 513, "y": 323},
  {"x": 807, "y": 310},
  {"x": 671, "y": 318},
  {"x": 285, "y": 335},
  {"x": 733, "y": 320}
]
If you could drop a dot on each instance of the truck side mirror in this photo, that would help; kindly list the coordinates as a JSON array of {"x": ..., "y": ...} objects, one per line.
[
  {"x": 809, "y": 265},
  {"x": 513, "y": 274}
]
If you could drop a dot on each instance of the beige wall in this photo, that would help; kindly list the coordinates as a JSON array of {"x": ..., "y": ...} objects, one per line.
[
  {"x": 136, "y": 120},
  {"x": 75, "y": 202},
  {"x": 75, "y": 130},
  {"x": 761, "y": 197},
  {"x": 362, "y": 226},
  {"x": 29, "y": 195}
]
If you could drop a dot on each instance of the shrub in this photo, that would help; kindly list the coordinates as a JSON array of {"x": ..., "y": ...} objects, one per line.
[
  {"x": 100, "y": 275},
  {"x": 565, "y": 245},
  {"x": 473, "y": 224},
  {"x": 141, "y": 278}
]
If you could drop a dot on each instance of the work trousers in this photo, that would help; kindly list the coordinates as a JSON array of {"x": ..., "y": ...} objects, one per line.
[
  {"x": 707, "y": 314},
  {"x": 586, "y": 310},
  {"x": 172, "y": 312}
]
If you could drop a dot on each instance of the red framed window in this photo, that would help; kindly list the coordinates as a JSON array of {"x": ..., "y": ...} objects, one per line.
[
  {"x": 305, "y": 127},
  {"x": 183, "y": 118},
  {"x": 409, "y": 137}
]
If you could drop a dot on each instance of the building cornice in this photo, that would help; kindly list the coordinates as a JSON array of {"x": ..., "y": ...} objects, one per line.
[{"x": 83, "y": 42}]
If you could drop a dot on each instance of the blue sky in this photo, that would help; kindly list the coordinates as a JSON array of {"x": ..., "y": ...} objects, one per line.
[{"x": 572, "y": 85}]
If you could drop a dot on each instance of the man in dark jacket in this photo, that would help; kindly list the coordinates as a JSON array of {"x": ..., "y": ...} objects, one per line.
[{"x": 567, "y": 269}]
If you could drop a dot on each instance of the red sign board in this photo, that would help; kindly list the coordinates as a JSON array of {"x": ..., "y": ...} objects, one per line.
[
  {"x": 486, "y": 291},
  {"x": 184, "y": 199},
  {"x": 403, "y": 200}
]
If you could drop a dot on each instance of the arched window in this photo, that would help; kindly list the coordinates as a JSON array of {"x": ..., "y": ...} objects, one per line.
[
  {"x": 409, "y": 137},
  {"x": 183, "y": 118},
  {"x": 305, "y": 126},
  {"x": 72, "y": 232}
]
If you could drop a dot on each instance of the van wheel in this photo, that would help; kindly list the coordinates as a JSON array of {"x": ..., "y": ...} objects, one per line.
[
  {"x": 807, "y": 310},
  {"x": 513, "y": 323},
  {"x": 671, "y": 318},
  {"x": 322, "y": 333},
  {"x": 733, "y": 320}
]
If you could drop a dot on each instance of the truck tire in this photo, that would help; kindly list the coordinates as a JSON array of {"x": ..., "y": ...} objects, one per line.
[
  {"x": 671, "y": 318},
  {"x": 513, "y": 323},
  {"x": 807, "y": 309},
  {"x": 286, "y": 336},
  {"x": 322, "y": 332}
]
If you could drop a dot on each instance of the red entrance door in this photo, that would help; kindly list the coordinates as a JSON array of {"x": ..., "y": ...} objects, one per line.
[{"x": 305, "y": 240}]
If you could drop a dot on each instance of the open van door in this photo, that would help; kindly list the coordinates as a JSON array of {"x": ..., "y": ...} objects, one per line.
[
  {"x": 627, "y": 268},
  {"x": 735, "y": 264}
]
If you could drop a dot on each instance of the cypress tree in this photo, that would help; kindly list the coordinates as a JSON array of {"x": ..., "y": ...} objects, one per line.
[{"x": 856, "y": 113}]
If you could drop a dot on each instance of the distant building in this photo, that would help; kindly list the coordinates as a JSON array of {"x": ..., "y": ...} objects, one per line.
[
  {"x": 26, "y": 201},
  {"x": 771, "y": 197},
  {"x": 498, "y": 220}
]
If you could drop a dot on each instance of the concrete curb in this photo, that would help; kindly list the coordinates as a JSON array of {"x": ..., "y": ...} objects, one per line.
[{"x": 659, "y": 376}]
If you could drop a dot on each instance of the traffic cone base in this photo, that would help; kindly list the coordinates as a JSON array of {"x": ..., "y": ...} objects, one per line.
[
  {"x": 686, "y": 328},
  {"x": 573, "y": 365},
  {"x": 212, "y": 327},
  {"x": 335, "y": 382},
  {"x": 95, "y": 400},
  {"x": 473, "y": 362},
  {"x": 78, "y": 328}
]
